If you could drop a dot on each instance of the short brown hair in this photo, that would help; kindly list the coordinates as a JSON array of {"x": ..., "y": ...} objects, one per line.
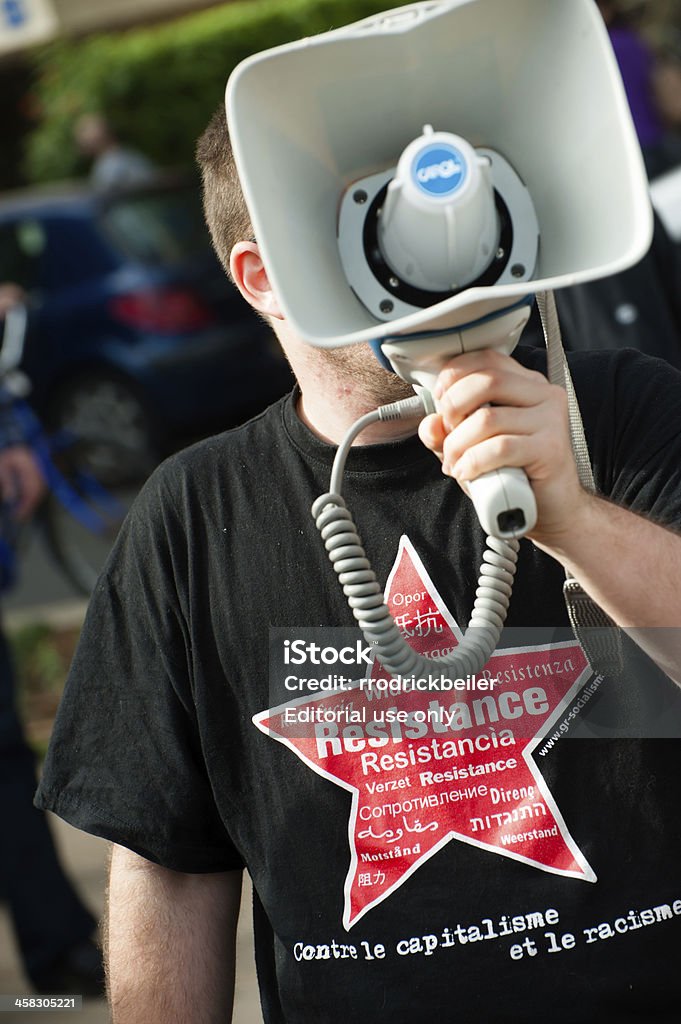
[{"x": 224, "y": 205}]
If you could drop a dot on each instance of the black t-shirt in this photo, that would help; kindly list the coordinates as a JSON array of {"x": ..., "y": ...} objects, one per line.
[{"x": 510, "y": 857}]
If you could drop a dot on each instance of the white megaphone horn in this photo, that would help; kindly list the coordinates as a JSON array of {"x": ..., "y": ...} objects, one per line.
[{"x": 416, "y": 178}]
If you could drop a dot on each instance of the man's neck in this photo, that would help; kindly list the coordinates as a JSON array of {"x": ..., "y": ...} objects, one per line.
[
  {"x": 336, "y": 393},
  {"x": 330, "y": 418}
]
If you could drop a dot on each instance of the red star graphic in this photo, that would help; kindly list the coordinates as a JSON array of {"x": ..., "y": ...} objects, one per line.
[{"x": 425, "y": 767}]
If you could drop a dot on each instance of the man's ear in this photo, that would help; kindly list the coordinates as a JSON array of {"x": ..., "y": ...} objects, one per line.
[{"x": 249, "y": 275}]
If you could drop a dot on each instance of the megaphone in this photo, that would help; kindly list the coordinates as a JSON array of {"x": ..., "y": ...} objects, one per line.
[
  {"x": 535, "y": 81},
  {"x": 413, "y": 181},
  {"x": 419, "y": 176}
]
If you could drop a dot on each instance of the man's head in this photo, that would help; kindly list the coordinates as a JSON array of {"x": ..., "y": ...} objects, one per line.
[
  {"x": 10, "y": 295},
  {"x": 223, "y": 200},
  {"x": 93, "y": 135},
  {"x": 231, "y": 230},
  {"x": 228, "y": 219}
]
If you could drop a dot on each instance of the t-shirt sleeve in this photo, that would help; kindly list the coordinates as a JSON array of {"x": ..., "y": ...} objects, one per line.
[
  {"x": 125, "y": 760},
  {"x": 631, "y": 408},
  {"x": 636, "y": 447}
]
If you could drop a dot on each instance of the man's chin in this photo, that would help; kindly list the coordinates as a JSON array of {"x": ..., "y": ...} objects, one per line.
[{"x": 358, "y": 365}]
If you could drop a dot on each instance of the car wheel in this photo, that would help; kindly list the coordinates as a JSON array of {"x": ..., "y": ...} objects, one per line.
[
  {"x": 94, "y": 483},
  {"x": 102, "y": 405}
]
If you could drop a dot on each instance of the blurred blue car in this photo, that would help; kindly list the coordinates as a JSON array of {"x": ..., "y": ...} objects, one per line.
[{"x": 134, "y": 331}]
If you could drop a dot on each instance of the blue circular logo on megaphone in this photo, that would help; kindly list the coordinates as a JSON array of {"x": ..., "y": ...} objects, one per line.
[{"x": 439, "y": 170}]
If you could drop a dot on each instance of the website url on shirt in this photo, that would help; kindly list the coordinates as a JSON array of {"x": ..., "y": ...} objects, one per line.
[{"x": 577, "y": 708}]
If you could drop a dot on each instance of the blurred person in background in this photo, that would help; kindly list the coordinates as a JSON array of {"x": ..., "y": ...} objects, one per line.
[
  {"x": 667, "y": 90},
  {"x": 53, "y": 929},
  {"x": 636, "y": 62},
  {"x": 638, "y": 308},
  {"x": 113, "y": 164}
]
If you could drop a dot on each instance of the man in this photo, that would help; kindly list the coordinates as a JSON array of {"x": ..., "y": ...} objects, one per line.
[{"x": 438, "y": 868}]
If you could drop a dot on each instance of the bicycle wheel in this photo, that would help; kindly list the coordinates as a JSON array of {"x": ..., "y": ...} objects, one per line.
[{"x": 93, "y": 487}]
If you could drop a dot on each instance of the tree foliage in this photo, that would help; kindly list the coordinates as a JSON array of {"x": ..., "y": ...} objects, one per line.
[{"x": 159, "y": 85}]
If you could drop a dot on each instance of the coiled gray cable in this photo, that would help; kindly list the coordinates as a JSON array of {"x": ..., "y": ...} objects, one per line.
[{"x": 364, "y": 594}]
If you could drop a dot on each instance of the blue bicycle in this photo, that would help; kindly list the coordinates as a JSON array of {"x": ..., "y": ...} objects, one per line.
[{"x": 91, "y": 481}]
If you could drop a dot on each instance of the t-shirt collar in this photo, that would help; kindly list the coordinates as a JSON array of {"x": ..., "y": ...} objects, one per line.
[{"x": 371, "y": 458}]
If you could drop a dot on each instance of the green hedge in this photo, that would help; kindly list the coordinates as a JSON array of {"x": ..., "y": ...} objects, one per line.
[{"x": 159, "y": 85}]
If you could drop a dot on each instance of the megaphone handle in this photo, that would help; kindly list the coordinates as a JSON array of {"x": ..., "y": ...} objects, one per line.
[{"x": 504, "y": 500}]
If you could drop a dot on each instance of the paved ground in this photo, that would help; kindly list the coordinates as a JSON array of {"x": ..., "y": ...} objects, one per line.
[
  {"x": 85, "y": 858},
  {"x": 40, "y": 581}
]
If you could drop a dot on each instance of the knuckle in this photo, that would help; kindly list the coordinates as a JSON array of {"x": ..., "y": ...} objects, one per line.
[
  {"x": 427, "y": 431},
  {"x": 447, "y": 377},
  {"x": 494, "y": 377},
  {"x": 558, "y": 396},
  {"x": 451, "y": 449},
  {"x": 538, "y": 379},
  {"x": 503, "y": 447},
  {"x": 487, "y": 419},
  {"x": 472, "y": 464},
  {"x": 490, "y": 357}
]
